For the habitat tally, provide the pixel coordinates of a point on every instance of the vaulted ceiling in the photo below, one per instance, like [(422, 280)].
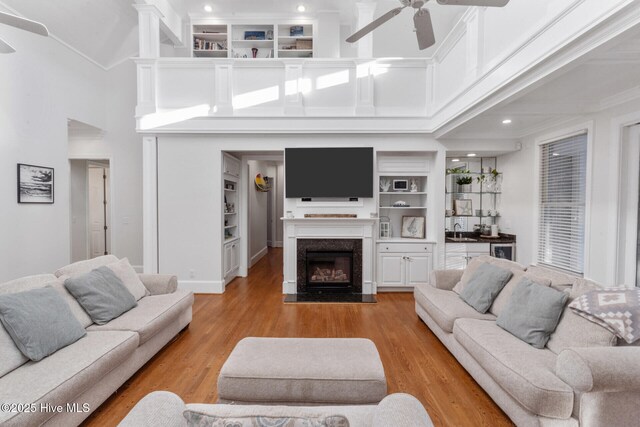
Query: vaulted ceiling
[(106, 30)]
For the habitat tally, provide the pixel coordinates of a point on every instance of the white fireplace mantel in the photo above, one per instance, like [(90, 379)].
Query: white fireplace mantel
[(329, 228)]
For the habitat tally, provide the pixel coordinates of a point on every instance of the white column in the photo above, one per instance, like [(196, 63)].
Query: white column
[(474, 21), (146, 88), (431, 89), (366, 13), (327, 36), (365, 89), (224, 89), (293, 97), (150, 204), (148, 30)]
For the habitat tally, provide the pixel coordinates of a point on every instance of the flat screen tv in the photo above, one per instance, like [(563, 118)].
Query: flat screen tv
[(329, 172)]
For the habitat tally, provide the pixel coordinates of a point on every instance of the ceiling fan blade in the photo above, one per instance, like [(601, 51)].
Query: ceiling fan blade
[(424, 29), (6, 47), (375, 24), (23, 24), (487, 3)]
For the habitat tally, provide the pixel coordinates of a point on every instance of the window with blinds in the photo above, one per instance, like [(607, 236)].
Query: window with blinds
[(563, 182)]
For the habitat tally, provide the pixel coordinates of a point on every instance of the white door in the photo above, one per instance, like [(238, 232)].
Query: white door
[(392, 270), (418, 269), (98, 178)]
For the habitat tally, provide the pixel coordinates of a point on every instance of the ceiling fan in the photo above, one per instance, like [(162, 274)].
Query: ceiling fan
[(23, 24), (421, 18)]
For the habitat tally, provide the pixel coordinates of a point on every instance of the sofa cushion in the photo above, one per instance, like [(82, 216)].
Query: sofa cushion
[(484, 286), (524, 372), (101, 293), (533, 312), (75, 307), (151, 316), (477, 262), (576, 331), (558, 279), (65, 375), (86, 266), (445, 306), (26, 283), (39, 322), (505, 295), (129, 278)]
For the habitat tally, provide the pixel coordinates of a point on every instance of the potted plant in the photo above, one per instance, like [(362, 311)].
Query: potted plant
[(464, 183)]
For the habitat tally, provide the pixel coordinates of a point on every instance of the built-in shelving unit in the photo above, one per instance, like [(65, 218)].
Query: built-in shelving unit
[(483, 193), (252, 40), (231, 217), (403, 262)]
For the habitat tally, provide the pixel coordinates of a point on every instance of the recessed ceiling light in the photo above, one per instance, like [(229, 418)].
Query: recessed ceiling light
[(208, 8), (506, 122), (455, 160), (301, 8), (471, 155)]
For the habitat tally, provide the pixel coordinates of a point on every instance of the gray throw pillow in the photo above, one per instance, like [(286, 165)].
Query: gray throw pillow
[(39, 322), (101, 293), (533, 312), (484, 286)]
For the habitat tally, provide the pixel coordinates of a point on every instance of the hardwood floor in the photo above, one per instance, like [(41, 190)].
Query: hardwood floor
[(414, 359)]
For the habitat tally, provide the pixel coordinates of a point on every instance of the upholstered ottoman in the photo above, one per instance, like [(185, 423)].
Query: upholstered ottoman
[(303, 371)]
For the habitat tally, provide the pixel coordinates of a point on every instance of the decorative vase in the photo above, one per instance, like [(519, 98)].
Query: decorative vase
[(464, 188), (254, 52)]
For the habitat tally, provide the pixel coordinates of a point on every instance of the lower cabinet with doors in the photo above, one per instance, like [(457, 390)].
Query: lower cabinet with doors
[(458, 255), (403, 265), (231, 260)]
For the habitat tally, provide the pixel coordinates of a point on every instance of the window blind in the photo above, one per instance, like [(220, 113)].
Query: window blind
[(563, 181)]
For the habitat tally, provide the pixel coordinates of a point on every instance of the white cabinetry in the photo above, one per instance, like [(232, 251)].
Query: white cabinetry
[(231, 166), (231, 257), (458, 255), (404, 265)]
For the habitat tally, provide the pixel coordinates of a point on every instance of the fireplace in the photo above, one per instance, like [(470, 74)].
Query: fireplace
[(329, 265), (329, 270)]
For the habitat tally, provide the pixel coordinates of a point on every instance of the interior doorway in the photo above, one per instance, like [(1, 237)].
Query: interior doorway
[(90, 208)]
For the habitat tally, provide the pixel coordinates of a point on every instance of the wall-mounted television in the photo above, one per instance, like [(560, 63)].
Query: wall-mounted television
[(329, 172)]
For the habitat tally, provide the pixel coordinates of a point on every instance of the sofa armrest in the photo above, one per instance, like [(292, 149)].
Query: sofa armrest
[(157, 409), (600, 369), (445, 279), (400, 409), (159, 284)]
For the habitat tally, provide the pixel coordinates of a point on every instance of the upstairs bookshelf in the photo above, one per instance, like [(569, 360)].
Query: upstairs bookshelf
[(252, 40)]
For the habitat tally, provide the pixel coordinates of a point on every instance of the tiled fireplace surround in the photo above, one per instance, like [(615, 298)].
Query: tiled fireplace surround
[(334, 234)]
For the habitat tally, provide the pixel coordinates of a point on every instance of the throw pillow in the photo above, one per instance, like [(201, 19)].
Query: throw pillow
[(503, 297), (101, 293), (617, 309), (484, 286), (201, 420), (476, 262), (129, 278), (533, 312), (39, 322)]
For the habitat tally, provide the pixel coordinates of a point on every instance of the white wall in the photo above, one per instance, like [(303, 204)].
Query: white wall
[(519, 202), (190, 195), (79, 211), (257, 212), (42, 85)]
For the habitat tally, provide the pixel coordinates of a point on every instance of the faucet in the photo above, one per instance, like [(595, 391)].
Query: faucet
[(457, 224)]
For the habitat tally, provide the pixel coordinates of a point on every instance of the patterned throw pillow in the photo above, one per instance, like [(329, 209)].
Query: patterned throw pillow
[(198, 419), (617, 309)]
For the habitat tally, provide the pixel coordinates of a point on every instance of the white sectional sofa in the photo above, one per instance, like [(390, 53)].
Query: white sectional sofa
[(88, 371), (581, 378)]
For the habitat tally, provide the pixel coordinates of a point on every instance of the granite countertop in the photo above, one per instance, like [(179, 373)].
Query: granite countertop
[(504, 238)]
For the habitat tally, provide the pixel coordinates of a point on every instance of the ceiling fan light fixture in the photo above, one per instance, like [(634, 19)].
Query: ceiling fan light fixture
[(301, 8)]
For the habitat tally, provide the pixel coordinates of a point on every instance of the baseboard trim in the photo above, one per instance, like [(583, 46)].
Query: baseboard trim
[(202, 286), (278, 244), (259, 255)]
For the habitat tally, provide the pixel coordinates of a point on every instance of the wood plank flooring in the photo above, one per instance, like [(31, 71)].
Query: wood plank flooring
[(415, 361)]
